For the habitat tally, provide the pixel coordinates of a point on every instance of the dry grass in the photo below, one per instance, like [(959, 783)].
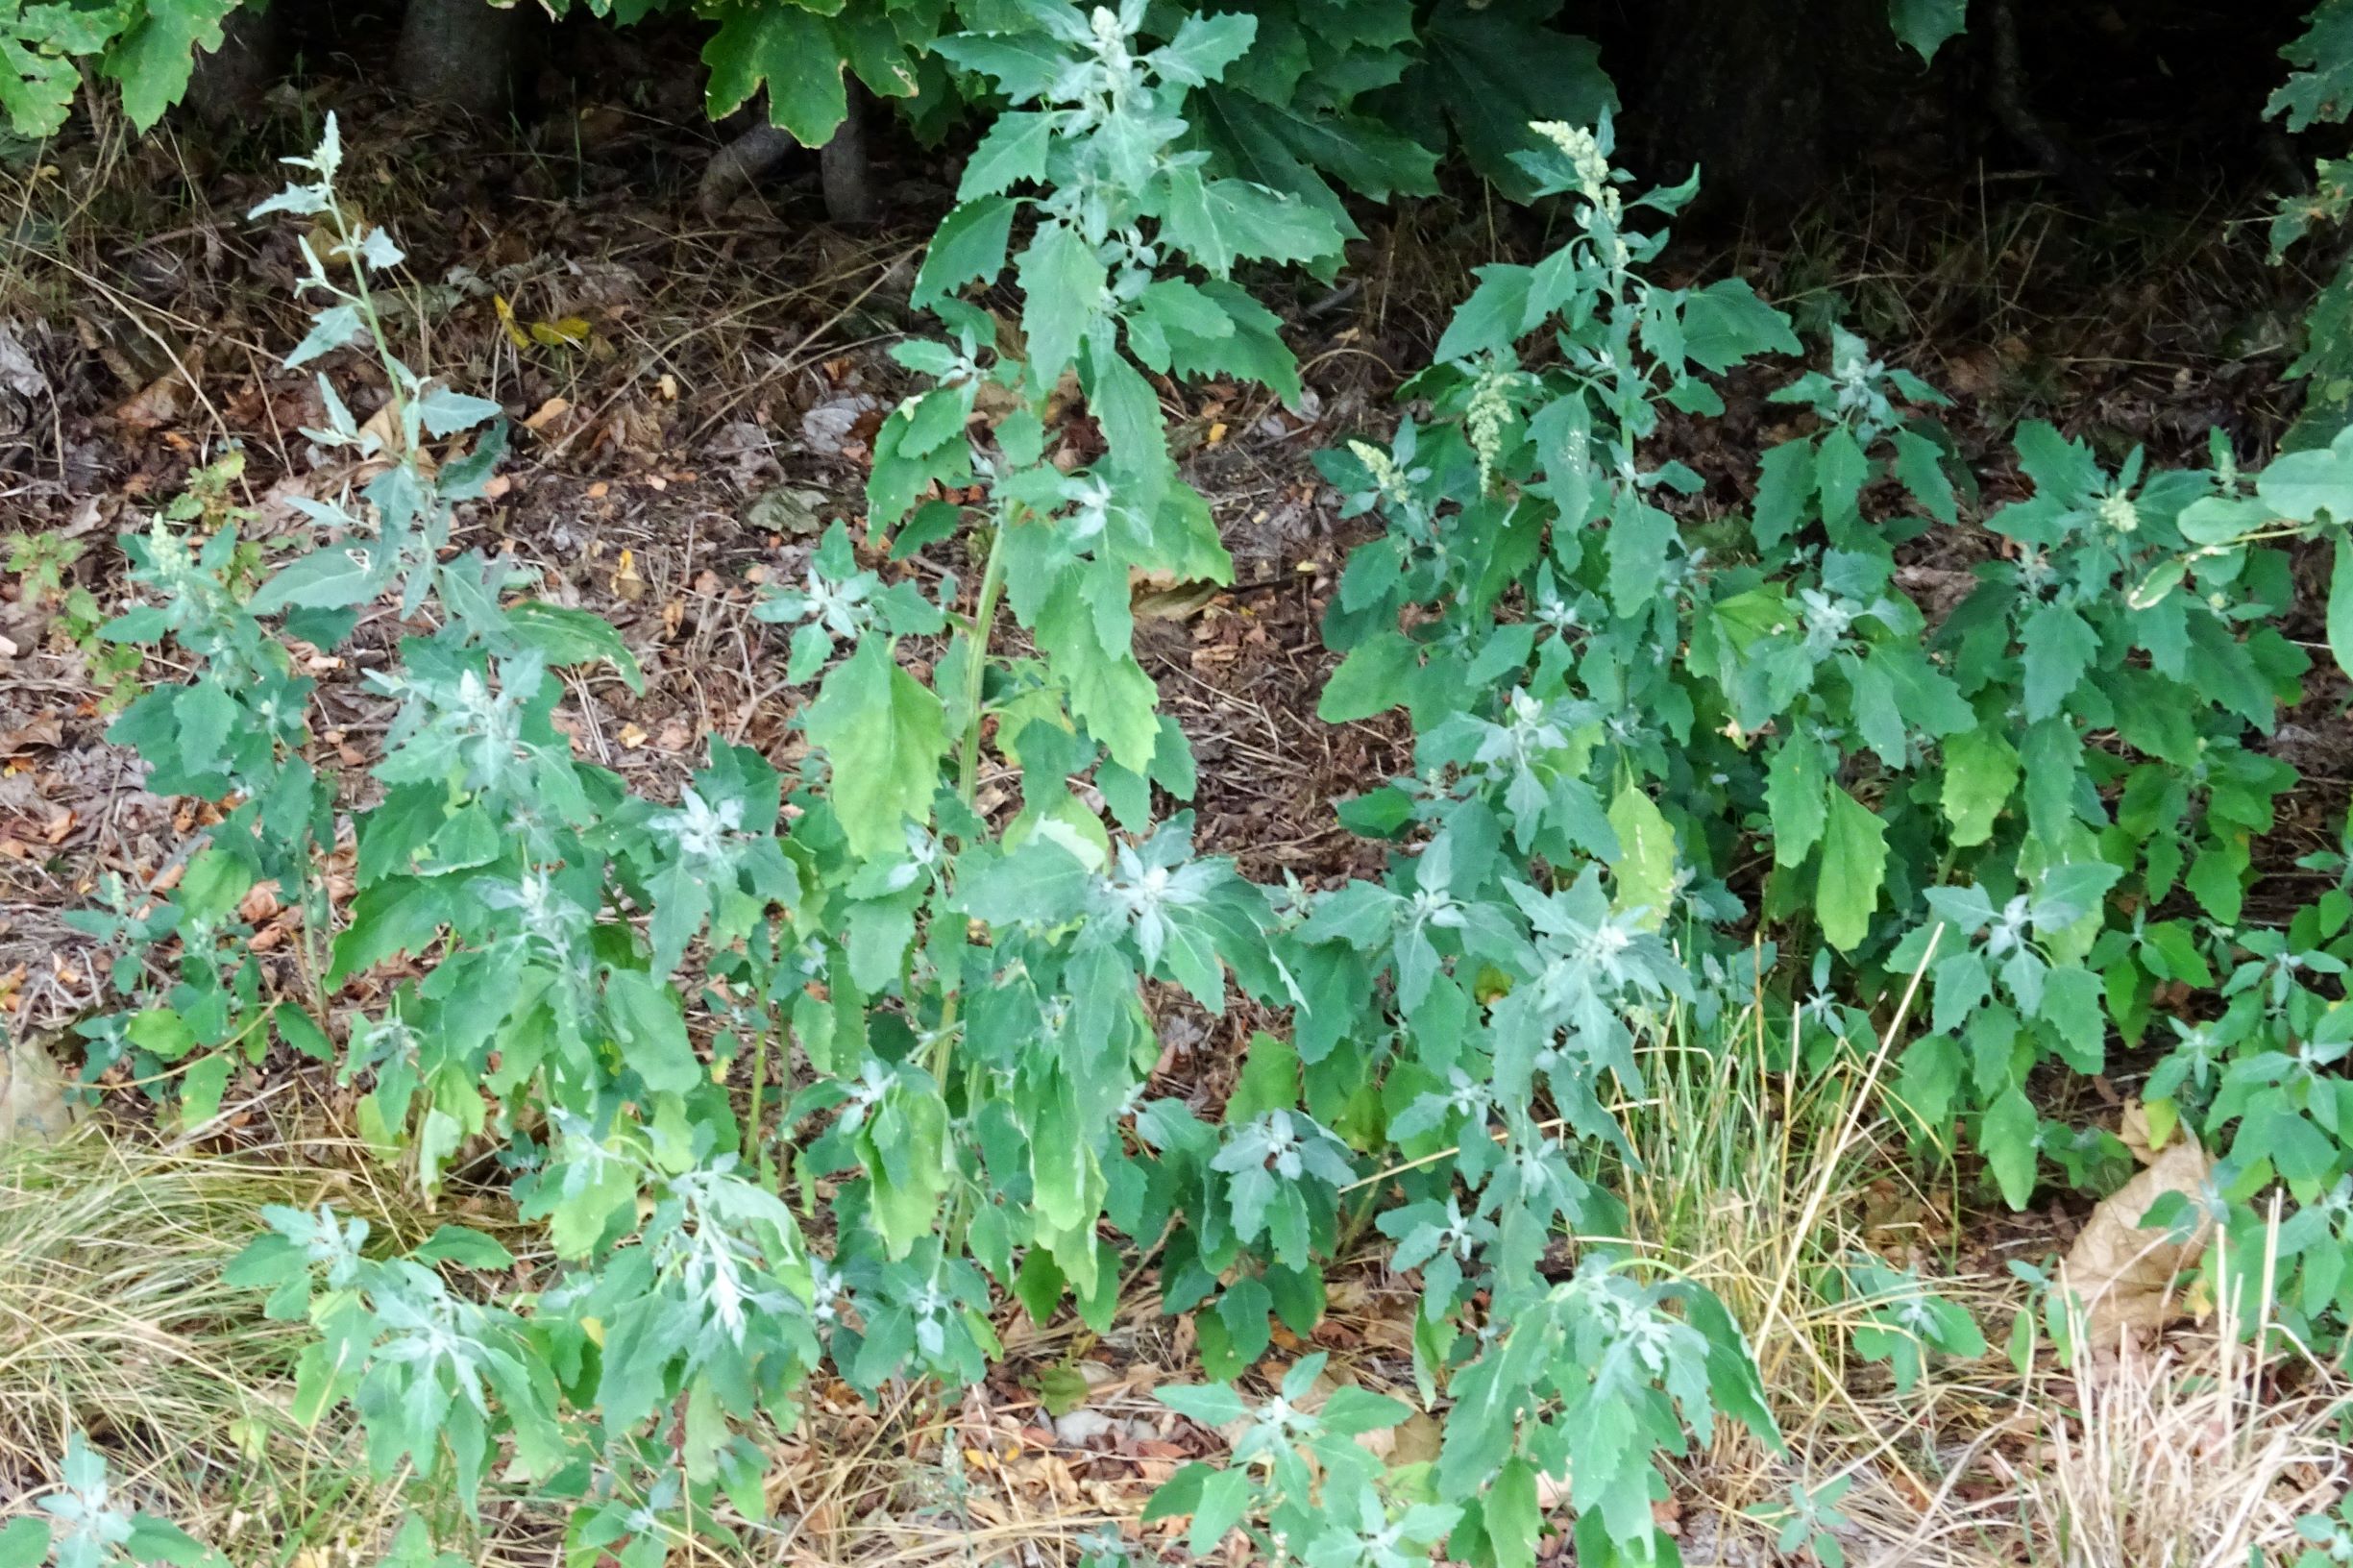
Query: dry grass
[(115, 1319), (2200, 1452), (1760, 1184)]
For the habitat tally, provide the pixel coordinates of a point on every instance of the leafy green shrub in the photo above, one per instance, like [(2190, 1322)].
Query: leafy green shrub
[(1666, 764)]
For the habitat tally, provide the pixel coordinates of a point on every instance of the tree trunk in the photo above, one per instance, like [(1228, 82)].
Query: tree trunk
[(227, 85), (741, 164), (459, 53), (841, 165), (843, 169)]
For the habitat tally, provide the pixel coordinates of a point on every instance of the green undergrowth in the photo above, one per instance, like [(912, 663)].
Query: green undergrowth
[(1723, 879)]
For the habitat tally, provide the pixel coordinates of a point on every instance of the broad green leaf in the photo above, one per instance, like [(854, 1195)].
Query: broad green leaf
[(1784, 483), (1927, 24), (1513, 1516), (1980, 772), (788, 46), (1725, 323), (155, 58), (650, 1031), (970, 244), (1219, 222), (330, 578), (2058, 647), (883, 734), (24, 1543), (2317, 483), (1853, 866), (463, 1246), (1291, 147), (1062, 284), (1225, 1497), (2341, 602), (1011, 152), (1373, 678), (1204, 46), (1497, 66), (1645, 867), (200, 1087), (1797, 790), (2006, 1137)]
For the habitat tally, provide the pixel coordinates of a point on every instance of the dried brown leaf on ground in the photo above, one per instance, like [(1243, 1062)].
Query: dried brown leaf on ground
[(33, 1101), (2124, 1275)]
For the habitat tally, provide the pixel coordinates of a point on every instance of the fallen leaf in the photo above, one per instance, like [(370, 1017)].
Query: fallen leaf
[(546, 414), (2125, 1275), (157, 404), (626, 583), (632, 736), (43, 731)]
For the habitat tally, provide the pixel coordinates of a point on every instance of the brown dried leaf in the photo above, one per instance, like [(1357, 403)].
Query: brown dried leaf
[(2125, 1275)]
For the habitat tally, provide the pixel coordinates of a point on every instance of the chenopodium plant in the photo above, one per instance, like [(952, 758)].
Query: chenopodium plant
[(86, 1523), (941, 1023), (2045, 807), (532, 1014), (985, 1040), (1476, 1012)]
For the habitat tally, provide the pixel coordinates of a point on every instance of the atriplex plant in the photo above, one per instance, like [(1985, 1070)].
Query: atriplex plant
[(937, 1017), (930, 1083), (84, 1523)]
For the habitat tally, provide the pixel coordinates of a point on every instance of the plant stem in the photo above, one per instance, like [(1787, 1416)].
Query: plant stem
[(984, 618), (757, 1146), (967, 765)]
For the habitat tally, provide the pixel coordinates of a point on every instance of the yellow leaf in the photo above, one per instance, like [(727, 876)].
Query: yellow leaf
[(506, 322), (594, 1327), (557, 335)]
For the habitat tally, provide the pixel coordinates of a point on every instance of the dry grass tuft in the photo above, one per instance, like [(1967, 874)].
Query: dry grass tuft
[(2201, 1453), (113, 1319)]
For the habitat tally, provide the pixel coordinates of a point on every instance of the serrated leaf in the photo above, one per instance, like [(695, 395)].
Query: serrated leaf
[(883, 734), (1061, 286), (1853, 867), (2058, 646), (1797, 786), (1497, 66), (463, 1246), (1645, 869), (970, 244), (562, 636), (1785, 484), (1373, 678), (1725, 323), (1219, 222), (155, 56), (790, 49), (1980, 774), (333, 578), (2006, 1137), (1204, 46), (649, 1028), (1012, 149)]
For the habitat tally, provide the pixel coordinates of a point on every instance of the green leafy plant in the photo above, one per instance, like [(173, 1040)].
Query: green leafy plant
[(1808, 1520), (810, 1071), (88, 1525), (148, 46)]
